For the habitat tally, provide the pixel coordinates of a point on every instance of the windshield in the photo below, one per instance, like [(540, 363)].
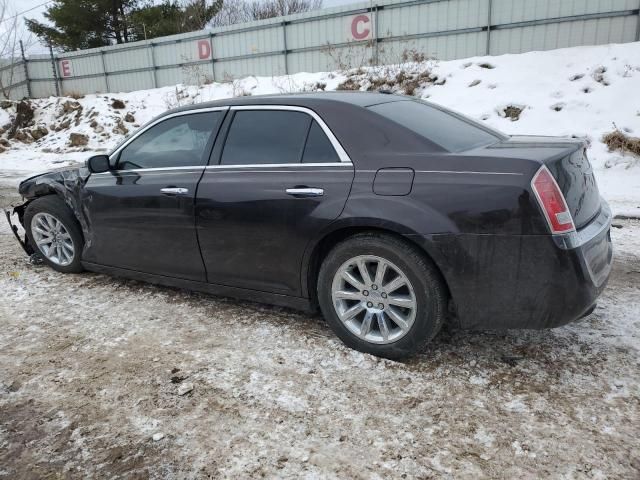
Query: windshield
[(452, 132)]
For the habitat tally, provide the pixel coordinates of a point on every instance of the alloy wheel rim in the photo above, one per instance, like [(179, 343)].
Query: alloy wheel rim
[(53, 239), (374, 299)]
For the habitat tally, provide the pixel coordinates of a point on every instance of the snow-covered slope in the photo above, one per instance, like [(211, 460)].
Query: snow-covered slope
[(583, 91)]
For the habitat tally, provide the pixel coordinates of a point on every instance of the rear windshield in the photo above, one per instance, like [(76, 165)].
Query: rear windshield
[(452, 132)]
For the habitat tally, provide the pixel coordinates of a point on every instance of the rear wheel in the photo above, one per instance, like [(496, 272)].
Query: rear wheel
[(381, 295), (54, 232)]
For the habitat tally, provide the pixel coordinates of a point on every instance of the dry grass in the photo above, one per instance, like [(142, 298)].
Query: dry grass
[(618, 140), (375, 80), (349, 84), (75, 95), (513, 112)]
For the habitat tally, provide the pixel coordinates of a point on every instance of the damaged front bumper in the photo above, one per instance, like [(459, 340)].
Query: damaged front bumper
[(24, 242)]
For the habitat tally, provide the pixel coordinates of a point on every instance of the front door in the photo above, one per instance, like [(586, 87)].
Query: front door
[(281, 178), (141, 213)]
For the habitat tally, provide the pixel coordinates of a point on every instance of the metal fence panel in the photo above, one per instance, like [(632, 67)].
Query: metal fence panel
[(130, 82), (80, 66), (513, 11), (260, 66), (432, 17), (40, 68), (115, 61), (169, 76), (42, 89), (569, 34), (260, 41), (442, 47), (12, 73), (341, 37), (321, 32), (80, 86), (317, 60)]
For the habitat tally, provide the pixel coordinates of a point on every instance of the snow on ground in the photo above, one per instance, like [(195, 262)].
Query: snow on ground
[(92, 371), (582, 91)]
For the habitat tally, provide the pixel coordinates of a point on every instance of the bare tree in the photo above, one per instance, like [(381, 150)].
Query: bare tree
[(11, 33), (278, 8), (239, 11), (232, 12)]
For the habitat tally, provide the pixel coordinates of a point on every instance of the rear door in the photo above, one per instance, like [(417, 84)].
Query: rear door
[(141, 213), (281, 177)]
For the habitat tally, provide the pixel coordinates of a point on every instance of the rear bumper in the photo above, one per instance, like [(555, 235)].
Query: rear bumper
[(529, 281), (593, 246)]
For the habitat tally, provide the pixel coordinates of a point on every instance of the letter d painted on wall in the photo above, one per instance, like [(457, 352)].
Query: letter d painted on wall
[(204, 49)]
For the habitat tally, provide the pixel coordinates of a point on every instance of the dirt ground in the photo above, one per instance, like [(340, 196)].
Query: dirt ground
[(93, 371)]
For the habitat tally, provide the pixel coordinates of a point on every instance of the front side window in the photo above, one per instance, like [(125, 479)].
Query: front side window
[(265, 137), (176, 142), (450, 131)]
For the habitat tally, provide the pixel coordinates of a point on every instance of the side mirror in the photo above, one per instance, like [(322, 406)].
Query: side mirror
[(98, 164)]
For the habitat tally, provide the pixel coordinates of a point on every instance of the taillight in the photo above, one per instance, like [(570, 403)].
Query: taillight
[(552, 202)]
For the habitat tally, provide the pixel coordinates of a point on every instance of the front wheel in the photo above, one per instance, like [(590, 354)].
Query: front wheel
[(381, 295), (54, 232)]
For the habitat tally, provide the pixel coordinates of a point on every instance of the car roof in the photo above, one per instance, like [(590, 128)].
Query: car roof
[(303, 99)]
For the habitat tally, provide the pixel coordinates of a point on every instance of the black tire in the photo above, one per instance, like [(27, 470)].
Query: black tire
[(55, 206), (428, 286)]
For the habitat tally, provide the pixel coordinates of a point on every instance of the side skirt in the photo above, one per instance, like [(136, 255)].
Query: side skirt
[(296, 303)]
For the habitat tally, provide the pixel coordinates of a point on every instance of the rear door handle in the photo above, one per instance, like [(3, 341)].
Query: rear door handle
[(174, 191), (305, 192)]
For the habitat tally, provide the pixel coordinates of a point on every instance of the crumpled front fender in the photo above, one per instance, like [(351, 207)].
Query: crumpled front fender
[(68, 184)]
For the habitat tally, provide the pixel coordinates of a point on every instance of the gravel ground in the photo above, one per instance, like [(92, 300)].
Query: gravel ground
[(93, 374)]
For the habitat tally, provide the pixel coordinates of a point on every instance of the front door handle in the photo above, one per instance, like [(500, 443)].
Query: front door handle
[(174, 191), (305, 192)]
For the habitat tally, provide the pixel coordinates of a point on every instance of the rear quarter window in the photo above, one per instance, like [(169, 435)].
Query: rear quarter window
[(450, 131)]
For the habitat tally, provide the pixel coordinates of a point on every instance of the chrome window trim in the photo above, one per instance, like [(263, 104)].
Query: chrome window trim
[(342, 154), (279, 165), (446, 172), (469, 172), (286, 171), (153, 124), (199, 168)]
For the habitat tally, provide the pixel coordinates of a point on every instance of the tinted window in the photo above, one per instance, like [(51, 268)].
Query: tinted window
[(452, 132), (265, 136), (176, 142), (318, 148)]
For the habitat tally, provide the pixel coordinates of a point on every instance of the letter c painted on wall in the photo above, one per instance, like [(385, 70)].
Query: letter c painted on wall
[(204, 49), (357, 32)]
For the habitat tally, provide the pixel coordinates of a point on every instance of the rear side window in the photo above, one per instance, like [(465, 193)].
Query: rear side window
[(175, 142), (319, 148), (446, 129), (265, 136)]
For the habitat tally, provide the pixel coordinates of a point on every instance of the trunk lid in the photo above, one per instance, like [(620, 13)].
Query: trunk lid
[(567, 161)]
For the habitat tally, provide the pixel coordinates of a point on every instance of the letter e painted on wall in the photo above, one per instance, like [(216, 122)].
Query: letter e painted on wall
[(204, 49), (66, 69), (361, 27)]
